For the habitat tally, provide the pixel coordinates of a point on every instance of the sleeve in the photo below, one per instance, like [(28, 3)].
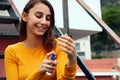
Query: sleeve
[(65, 72), (10, 65), (69, 72)]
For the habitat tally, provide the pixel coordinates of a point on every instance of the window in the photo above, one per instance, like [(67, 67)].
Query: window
[(77, 46), (81, 55)]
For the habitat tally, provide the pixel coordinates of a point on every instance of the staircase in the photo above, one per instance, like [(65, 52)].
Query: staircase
[(12, 18), (9, 22)]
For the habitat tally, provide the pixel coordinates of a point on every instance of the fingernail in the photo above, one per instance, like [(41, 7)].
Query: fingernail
[(66, 34)]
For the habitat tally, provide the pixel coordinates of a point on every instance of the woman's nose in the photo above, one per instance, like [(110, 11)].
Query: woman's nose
[(43, 20)]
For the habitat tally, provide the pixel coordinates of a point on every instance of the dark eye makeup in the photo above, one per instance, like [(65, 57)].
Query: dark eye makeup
[(40, 15), (48, 17)]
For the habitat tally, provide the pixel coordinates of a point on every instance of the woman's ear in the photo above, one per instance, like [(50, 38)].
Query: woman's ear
[(24, 17)]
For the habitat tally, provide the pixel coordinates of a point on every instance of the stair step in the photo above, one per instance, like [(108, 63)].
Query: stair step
[(8, 19), (12, 18), (2, 78), (4, 5), (1, 55), (3, 0), (2, 69)]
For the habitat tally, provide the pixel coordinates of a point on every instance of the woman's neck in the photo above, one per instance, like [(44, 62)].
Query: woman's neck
[(33, 42)]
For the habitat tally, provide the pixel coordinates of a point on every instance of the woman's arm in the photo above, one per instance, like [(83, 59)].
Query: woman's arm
[(67, 45), (65, 72), (10, 65)]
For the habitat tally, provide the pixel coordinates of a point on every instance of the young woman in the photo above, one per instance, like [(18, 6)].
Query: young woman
[(29, 59)]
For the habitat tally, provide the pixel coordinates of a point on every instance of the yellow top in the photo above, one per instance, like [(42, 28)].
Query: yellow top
[(22, 63)]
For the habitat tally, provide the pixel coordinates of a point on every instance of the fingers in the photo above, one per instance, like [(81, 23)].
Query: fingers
[(66, 37), (48, 55), (47, 64), (47, 67), (67, 44)]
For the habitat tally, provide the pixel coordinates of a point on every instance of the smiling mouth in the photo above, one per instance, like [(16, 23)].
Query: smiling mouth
[(41, 29)]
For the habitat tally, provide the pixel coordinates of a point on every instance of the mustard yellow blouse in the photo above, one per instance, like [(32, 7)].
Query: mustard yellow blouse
[(22, 63)]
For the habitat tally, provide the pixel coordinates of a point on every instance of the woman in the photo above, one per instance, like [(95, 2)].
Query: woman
[(29, 59)]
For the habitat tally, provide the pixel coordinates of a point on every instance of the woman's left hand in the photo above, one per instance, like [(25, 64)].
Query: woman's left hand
[(67, 44)]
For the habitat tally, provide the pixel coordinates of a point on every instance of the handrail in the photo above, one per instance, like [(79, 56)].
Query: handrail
[(66, 16), (84, 68), (66, 27), (109, 31), (80, 63)]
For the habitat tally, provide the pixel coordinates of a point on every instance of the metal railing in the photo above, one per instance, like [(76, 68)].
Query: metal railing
[(66, 28), (104, 26)]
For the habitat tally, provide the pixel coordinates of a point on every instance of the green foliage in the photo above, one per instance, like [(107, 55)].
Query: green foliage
[(110, 3), (111, 16)]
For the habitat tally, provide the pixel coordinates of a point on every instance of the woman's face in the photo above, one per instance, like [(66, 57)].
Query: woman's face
[(38, 19)]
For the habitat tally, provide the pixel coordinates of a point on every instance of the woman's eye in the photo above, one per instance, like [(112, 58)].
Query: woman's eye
[(39, 15), (48, 18)]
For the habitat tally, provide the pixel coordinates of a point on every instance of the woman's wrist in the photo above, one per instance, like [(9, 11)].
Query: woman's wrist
[(72, 61)]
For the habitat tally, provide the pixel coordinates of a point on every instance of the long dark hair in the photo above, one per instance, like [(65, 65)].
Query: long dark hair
[(48, 37)]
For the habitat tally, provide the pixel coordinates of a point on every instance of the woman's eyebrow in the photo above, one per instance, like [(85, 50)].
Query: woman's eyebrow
[(39, 12)]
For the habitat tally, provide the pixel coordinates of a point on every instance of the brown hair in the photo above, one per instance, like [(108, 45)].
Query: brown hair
[(48, 37)]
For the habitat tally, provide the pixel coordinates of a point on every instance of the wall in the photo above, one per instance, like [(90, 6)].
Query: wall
[(85, 46)]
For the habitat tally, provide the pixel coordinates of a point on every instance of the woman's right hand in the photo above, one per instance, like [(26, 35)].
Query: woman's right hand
[(47, 64)]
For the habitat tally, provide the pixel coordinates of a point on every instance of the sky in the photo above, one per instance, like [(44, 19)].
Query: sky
[(78, 18)]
